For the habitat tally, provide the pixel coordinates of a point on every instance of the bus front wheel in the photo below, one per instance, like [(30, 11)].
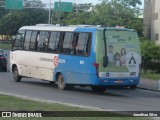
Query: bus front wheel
[(62, 85), (16, 76)]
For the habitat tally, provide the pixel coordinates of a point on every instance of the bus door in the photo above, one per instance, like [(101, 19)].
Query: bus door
[(18, 55)]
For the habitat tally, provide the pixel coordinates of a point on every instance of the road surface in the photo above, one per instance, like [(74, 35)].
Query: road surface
[(112, 99)]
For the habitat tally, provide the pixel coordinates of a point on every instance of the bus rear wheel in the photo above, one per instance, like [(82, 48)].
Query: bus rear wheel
[(16, 76), (52, 82), (133, 87), (62, 85), (98, 88)]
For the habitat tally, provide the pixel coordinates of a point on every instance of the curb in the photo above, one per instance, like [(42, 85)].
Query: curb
[(148, 89)]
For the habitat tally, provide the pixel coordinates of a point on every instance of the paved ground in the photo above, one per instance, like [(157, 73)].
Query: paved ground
[(148, 84), (120, 99)]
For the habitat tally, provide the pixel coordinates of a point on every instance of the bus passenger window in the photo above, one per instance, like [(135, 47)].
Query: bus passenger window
[(81, 46), (33, 40), (45, 44), (88, 44), (74, 44), (60, 43), (41, 41), (27, 40), (53, 42), (67, 42)]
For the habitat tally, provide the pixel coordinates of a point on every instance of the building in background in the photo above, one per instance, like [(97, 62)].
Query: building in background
[(152, 20)]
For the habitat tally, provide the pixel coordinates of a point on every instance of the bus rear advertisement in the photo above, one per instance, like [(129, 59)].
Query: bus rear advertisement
[(77, 55)]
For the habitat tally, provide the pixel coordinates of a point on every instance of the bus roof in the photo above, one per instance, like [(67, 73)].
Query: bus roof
[(70, 28)]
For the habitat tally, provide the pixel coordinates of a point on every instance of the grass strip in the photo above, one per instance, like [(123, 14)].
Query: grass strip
[(5, 46), (11, 103)]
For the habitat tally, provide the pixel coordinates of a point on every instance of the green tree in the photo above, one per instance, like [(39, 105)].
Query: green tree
[(11, 22), (115, 13), (132, 3), (150, 56), (34, 3), (2, 12), (16, 19), (110, 13), (2, 9)]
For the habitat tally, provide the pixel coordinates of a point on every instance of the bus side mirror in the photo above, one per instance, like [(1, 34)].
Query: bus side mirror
[(105, 61)]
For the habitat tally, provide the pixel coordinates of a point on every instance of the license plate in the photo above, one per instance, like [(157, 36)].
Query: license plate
[(119, 81)]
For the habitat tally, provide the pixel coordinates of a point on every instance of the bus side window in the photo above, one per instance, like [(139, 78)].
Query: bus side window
[(60, 43), (27, 40), (67, 42), (53, 42), (37, 39), (46, 41), (33, 41), (74, 43), (42, 41), (19, 41), (82, 43), (88, 44)]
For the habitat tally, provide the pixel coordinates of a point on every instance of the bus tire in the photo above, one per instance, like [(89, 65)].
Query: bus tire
[(16, 76), (52, 82), (62, 85), (133, 87), (98, 88)]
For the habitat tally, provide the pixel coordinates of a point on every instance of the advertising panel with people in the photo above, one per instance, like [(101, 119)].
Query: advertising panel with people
[(123, 52)]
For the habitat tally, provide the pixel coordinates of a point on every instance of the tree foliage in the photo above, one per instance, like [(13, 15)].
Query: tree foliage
[(34, 3), (132, 3), (110, 13), (2, 10), (150, 56), (14, 19)]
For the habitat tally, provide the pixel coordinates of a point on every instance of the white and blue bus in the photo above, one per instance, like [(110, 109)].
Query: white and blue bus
[(77, 55)]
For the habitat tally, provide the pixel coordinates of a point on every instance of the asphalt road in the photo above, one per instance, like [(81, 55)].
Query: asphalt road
[(112, 99)]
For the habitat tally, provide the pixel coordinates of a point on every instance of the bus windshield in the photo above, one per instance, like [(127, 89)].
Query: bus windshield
[(19, 40), (123, 53)]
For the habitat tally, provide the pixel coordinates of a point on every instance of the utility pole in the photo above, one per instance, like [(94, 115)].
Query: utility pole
[(75, 6), (59, 11), (49, 19), (2, 4)]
